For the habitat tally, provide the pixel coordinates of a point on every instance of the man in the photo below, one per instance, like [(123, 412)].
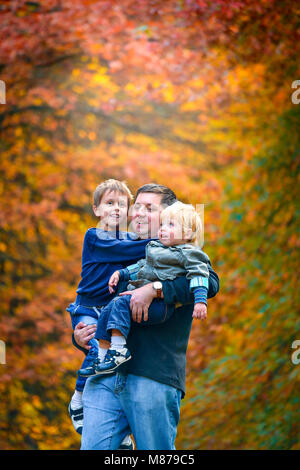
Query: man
[(145, 395)]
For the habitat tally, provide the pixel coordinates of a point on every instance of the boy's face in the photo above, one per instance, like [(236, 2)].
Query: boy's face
[(112, 210), (171, 232)]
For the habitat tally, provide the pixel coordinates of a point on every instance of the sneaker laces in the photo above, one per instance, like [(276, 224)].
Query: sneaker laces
[(110, 354)]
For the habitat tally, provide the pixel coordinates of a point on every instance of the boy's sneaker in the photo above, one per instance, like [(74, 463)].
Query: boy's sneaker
[(89, 371), (113, 359), (127, 444), (76, 416)]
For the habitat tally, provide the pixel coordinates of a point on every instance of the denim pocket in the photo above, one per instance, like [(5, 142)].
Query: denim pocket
[(77, 309)]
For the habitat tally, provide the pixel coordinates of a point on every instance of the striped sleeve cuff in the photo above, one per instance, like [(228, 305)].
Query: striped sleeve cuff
[(124, 274), (199, 281), (200, 295), (133, 268), (130, 272)]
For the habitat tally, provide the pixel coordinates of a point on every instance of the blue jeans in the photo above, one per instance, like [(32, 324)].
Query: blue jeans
[(115, 405), (117, 315), (80, 313)]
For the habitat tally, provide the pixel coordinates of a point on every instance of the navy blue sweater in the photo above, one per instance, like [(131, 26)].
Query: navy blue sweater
[(104, 253)]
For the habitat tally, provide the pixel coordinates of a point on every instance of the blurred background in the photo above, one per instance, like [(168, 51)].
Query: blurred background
[(193, 94)]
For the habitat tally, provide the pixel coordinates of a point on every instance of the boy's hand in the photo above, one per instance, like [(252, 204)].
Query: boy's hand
[(113, 282), (200, 311)]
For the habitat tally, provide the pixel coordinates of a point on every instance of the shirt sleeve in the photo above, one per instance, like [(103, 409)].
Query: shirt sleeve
[(113, 250), (131, 271)]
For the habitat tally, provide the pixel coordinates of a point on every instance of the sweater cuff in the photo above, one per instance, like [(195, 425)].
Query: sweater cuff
[(200, 294), (124, 274), (133, 270)]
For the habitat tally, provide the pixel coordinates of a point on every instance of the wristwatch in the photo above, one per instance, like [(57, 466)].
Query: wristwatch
[(157, 285)]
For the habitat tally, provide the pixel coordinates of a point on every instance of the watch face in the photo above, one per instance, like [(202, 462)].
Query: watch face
[(157, 285)]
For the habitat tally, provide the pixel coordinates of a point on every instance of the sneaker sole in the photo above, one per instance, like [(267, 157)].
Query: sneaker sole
[(79, 429), (87, 376), (103, 372)]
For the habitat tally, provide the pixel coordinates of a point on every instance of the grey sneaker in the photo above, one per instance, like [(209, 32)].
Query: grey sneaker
[(77, 418), (113, 359)]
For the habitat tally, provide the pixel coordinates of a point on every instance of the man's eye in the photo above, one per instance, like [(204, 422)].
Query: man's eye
[(152, 208)]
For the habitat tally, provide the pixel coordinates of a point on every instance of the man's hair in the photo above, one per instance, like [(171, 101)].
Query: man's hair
[(168, 196), (112, 185)]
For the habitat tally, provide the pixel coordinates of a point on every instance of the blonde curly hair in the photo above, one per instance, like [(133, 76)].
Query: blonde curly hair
[(187, 216)]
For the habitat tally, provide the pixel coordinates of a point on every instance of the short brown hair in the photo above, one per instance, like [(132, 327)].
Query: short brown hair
[(168, 196), (112, 185)]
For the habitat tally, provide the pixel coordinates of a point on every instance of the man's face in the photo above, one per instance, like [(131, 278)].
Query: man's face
[(145, 215)]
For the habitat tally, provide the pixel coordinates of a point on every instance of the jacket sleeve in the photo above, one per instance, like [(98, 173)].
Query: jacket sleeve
[(195, 262), (110, 250), (178, 290)]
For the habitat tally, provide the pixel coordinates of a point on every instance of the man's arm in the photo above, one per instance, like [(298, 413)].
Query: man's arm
[(178, 291)]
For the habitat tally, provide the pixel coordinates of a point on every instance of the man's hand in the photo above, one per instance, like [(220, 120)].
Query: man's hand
[(200, 311), (83, 333), (141, 299), (113, 281)]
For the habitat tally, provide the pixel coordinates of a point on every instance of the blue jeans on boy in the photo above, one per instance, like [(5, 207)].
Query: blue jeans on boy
[(117, 315), (89, 316), (115, 405)]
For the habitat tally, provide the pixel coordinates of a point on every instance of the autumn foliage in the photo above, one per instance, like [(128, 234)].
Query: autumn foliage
[(192, 94)]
